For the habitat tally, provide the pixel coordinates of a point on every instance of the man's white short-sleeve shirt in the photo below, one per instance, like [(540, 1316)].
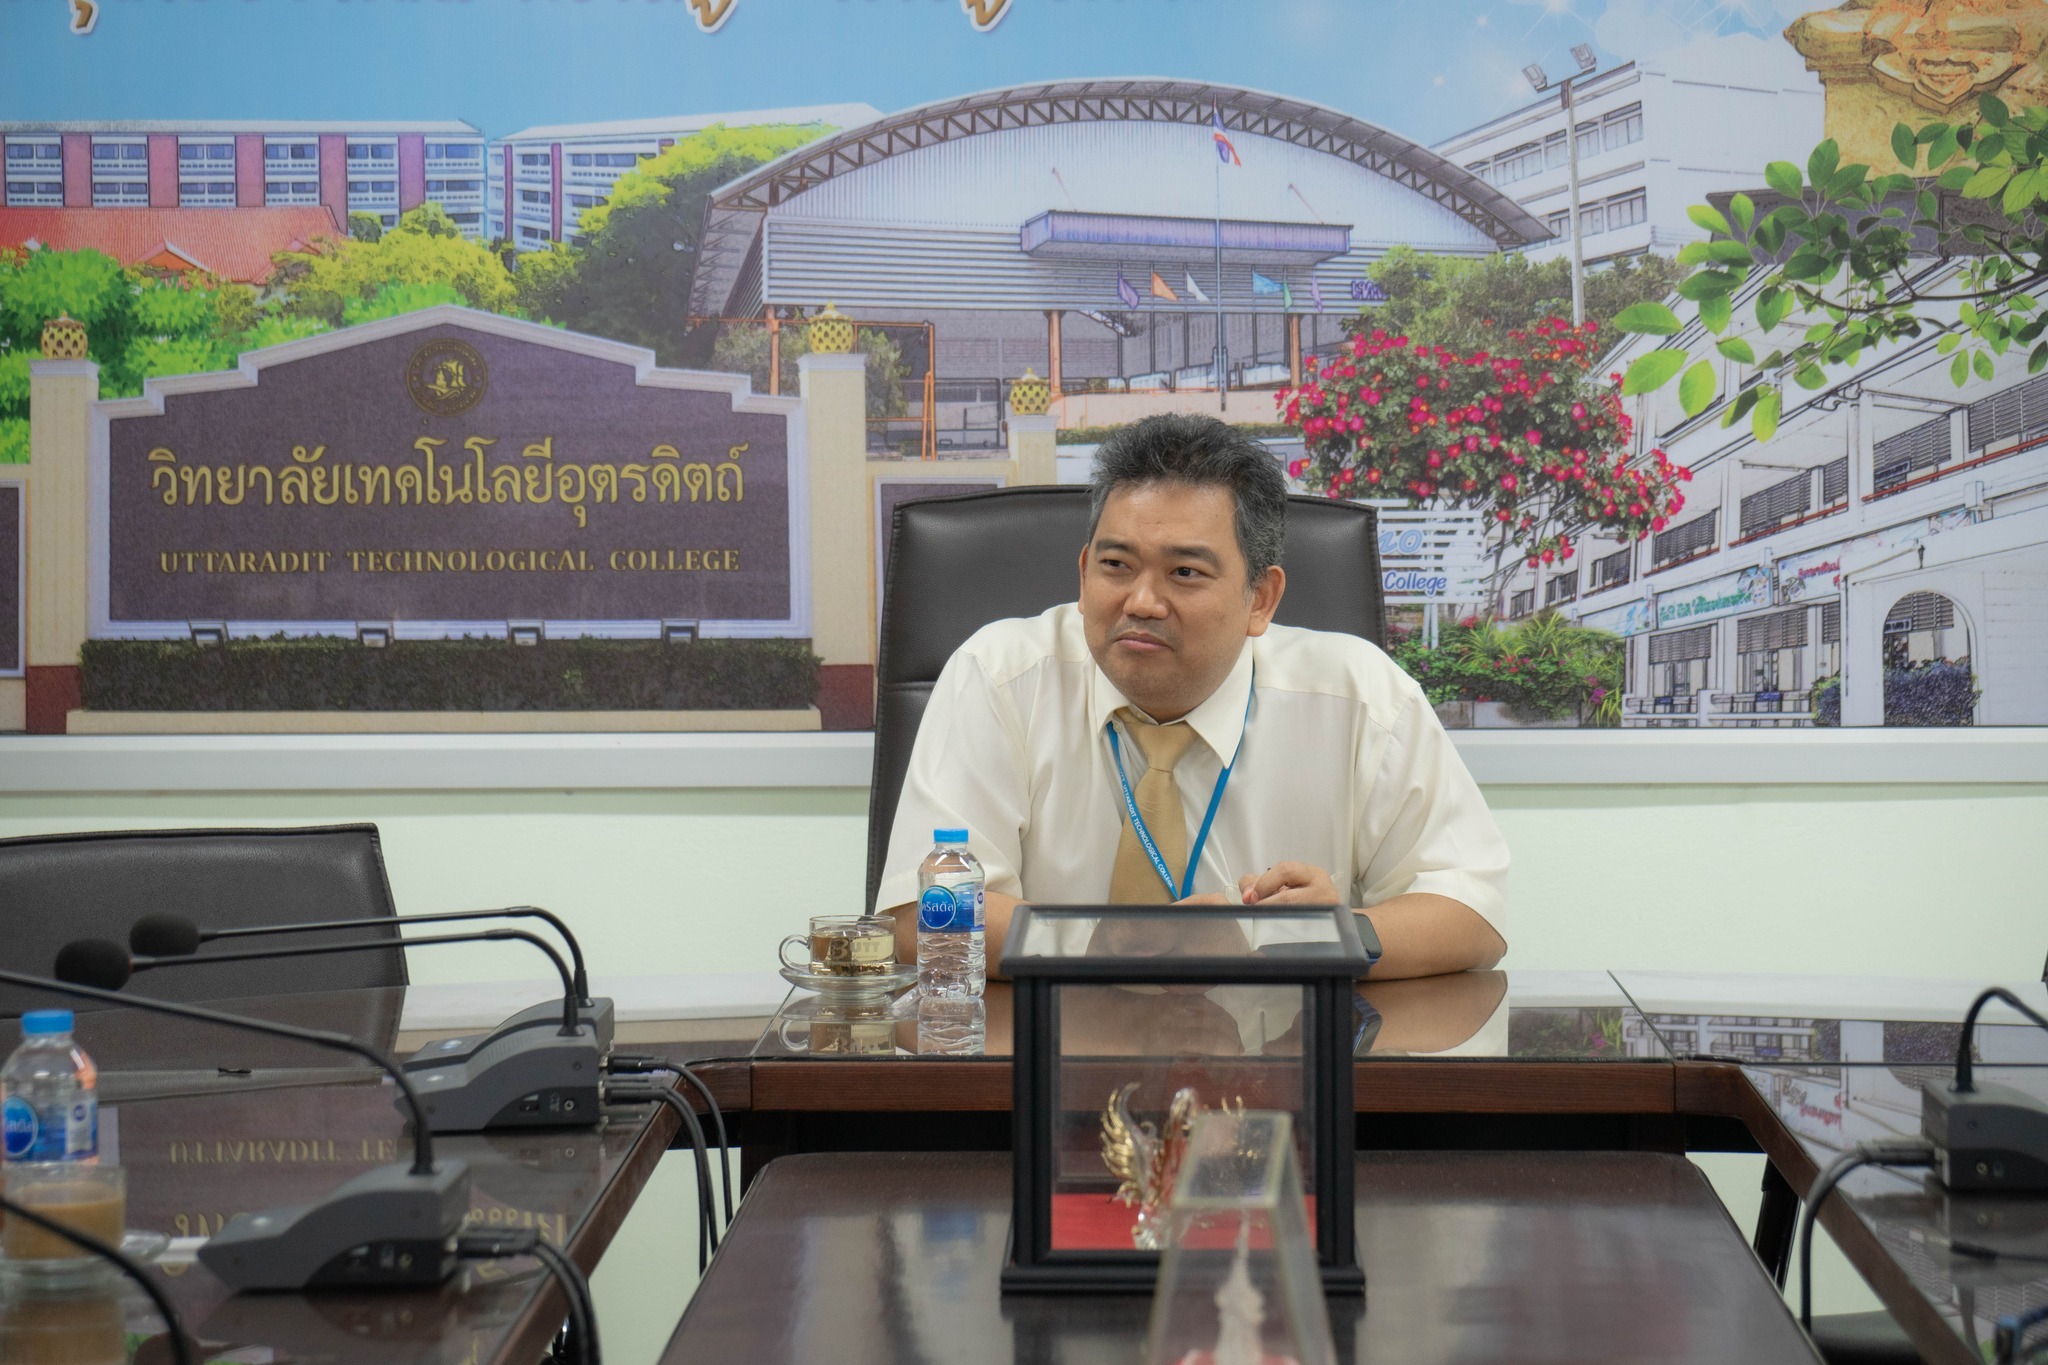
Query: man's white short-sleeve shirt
[(1340, 763)]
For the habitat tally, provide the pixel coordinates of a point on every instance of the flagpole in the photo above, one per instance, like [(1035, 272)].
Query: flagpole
[(1222, 354)]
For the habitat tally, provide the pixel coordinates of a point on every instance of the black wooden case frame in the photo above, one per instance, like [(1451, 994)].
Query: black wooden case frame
[(1327, 973)]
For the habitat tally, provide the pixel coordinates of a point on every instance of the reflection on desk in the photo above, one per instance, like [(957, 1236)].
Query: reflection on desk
[(1533, 1015), (202, 1144), (1501, 1257), (1831, 1021), (1973, 1258)]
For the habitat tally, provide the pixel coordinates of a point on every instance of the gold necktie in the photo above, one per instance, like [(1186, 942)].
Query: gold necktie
[(1132, 880)]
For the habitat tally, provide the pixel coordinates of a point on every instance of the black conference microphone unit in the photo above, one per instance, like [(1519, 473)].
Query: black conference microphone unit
[(1981, 1139), (530, 1078), (393, 1225), (1987, 1137), (176, 936)]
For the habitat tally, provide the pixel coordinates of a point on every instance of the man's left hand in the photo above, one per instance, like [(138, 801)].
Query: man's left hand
[(1289, 884)]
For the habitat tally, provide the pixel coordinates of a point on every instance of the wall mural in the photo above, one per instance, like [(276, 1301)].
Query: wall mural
[(558, 367)]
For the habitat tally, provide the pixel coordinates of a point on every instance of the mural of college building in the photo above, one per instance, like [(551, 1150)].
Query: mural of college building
[(544, 177), (1096, 231), (1889, 545), (65, 179), (1655, 137), (451, 473)]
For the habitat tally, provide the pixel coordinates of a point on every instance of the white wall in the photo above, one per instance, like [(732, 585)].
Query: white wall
[(1912, 879), (1903, 880)]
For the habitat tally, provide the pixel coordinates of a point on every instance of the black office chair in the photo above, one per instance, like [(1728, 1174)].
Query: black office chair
[(955, 564), (58, 887)]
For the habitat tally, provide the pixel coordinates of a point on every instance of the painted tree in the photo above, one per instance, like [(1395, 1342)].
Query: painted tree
[(138, 325), (1469, 302), (1522, 432), (426, 251), (631, 278), (1838, 261)]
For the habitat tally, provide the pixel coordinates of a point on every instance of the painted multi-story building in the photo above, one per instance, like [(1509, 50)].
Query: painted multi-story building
[(546, 176), (345, 167), (1889, 545), (1655, 137)]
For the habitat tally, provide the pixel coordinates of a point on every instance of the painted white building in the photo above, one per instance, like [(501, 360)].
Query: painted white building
[(344, 166), (547, 175), (1655, 136), (1894, 524)]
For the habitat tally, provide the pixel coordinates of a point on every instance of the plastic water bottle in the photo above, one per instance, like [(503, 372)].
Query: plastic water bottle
[(950, 1026), (50, 1110), (950, 883)]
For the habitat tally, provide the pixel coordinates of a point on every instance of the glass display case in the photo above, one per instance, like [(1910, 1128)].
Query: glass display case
[(1131, 1022)]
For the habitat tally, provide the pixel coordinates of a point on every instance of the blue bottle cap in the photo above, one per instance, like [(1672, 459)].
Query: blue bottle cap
[(949, 836), (37, 1022)]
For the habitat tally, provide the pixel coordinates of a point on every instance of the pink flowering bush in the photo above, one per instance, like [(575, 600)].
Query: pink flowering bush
[(1523, 432)]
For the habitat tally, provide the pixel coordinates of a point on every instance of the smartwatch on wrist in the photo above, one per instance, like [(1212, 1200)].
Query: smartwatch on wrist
[(1369, 936)]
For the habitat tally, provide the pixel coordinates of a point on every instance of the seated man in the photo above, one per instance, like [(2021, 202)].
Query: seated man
[(1269, 765)]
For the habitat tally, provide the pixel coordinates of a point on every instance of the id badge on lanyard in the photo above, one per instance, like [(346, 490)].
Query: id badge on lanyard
[(1145, 840)]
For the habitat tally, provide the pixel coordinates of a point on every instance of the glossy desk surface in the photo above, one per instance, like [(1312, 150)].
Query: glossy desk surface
[(1498, 1257), (1808, 1066), (200, 1146), (1932, 1256)]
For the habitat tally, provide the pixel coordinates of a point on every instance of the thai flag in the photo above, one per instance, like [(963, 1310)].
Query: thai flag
[(1225, 152)]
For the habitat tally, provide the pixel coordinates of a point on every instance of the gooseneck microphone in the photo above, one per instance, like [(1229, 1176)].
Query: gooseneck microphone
[(388, 1226), (104, 963), (530, 1078), (176, 936), (159, 935)]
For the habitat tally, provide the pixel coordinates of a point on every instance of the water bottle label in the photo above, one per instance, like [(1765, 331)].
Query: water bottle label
[(20, 1119), (67, 1132), (949, 909), (82, 1127)]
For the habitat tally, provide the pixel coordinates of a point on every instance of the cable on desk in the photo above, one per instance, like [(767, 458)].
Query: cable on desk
[(639, 1090), (1900, 1152), (181, 1345), (629, 1063), (2012, 1328), (718, 1126), (497, 1244)]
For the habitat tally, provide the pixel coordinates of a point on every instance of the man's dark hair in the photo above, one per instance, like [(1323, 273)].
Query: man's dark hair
[(1199, 451)]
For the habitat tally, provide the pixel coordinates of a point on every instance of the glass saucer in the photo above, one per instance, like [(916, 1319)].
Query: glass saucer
[(846, 987)]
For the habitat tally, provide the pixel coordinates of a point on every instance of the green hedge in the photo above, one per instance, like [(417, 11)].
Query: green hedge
[(449, 675)]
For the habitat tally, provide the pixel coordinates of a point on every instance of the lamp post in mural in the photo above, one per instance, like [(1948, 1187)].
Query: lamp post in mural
[(1583, 55)]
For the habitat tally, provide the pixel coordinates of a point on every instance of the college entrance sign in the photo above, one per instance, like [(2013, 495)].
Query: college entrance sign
[(445, 472)]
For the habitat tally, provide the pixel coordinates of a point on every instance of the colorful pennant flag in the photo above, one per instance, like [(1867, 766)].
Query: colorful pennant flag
[(1262, 285), (1124, 290), (1162, 290), (1194, 288), (1286, 296), (1225, 152), (1315, 288)]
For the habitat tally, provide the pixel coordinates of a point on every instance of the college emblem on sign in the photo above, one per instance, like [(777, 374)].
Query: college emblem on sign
[(446, 377)]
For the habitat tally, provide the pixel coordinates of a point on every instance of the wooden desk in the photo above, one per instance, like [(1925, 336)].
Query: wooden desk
[(1508, 1257), (1496, 1061), (200, 1147)]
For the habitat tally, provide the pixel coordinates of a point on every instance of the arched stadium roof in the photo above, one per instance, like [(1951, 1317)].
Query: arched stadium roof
[(736, 211)]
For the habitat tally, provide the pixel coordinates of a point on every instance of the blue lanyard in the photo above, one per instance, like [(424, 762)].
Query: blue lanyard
[(1145, 840)]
